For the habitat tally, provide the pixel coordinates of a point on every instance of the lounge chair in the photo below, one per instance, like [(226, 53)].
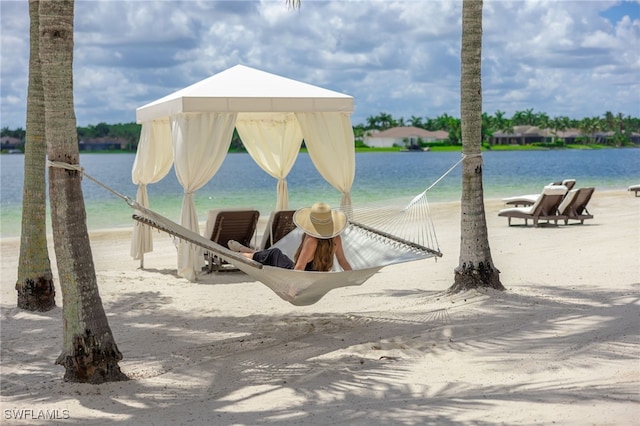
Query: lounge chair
[(574, 205), (529, 199), (225, 225), (280, 224), (569, 183), (545, 207), (635, 189)]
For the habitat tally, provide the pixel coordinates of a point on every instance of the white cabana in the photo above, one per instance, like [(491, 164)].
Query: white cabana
[(272, 114)]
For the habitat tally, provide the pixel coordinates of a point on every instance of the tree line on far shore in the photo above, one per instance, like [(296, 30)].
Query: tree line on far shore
[(619, 125), (129, 133)]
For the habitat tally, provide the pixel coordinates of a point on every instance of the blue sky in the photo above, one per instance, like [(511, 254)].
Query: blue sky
[(564, 58), (620, 10)]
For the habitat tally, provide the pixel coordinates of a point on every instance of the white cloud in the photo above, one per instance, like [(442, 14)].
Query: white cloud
[(577, 58)]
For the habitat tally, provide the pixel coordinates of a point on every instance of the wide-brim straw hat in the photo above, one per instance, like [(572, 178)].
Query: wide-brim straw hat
[(320, 220)]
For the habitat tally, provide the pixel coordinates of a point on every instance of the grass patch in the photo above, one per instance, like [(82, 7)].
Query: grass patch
[(386, 149), (445, 148), (581, 146), (513, 148)]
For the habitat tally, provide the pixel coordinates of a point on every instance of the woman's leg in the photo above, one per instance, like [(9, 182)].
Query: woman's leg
[(273, 257), (270, 257)]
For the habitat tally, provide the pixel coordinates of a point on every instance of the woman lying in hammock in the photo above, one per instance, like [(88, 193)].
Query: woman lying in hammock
[(320, 242)]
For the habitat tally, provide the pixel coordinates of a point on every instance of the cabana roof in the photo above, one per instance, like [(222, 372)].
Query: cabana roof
[(242, 89)]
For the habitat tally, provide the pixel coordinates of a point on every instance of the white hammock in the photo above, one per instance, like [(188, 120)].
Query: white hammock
[(376, 237), (367, 249)]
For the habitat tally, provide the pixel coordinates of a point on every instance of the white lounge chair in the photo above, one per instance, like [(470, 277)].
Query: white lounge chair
[(574, 205), (545, 207)]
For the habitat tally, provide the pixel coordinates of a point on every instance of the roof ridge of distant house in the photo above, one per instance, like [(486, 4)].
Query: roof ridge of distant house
[(407, 132)]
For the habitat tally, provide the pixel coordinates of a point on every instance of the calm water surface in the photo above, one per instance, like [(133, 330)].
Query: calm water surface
[(379, 176)]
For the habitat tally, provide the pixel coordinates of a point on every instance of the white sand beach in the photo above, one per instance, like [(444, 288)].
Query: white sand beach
[(560, 346)]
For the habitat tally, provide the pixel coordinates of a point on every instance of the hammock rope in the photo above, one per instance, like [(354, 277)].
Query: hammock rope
[(410, 222), (393, 240)]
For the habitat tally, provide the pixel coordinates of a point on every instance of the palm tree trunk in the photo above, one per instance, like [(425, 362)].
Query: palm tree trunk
[(475, 268), (89, 352), (35, 287)]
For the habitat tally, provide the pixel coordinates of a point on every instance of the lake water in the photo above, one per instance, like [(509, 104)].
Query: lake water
[(379, 176)]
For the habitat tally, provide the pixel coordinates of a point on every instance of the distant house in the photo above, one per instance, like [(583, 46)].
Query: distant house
[(403, 136), (522, 135), (10, 144), (526, 135), (569, 136)]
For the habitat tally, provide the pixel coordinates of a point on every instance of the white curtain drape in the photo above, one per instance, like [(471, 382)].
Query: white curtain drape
[(200, 144), (153, 161), (273, 141), (330, 142)]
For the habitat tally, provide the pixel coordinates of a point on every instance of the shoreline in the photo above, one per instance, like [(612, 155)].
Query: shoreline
[(378, 177), (491, 204), (433, 147)]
